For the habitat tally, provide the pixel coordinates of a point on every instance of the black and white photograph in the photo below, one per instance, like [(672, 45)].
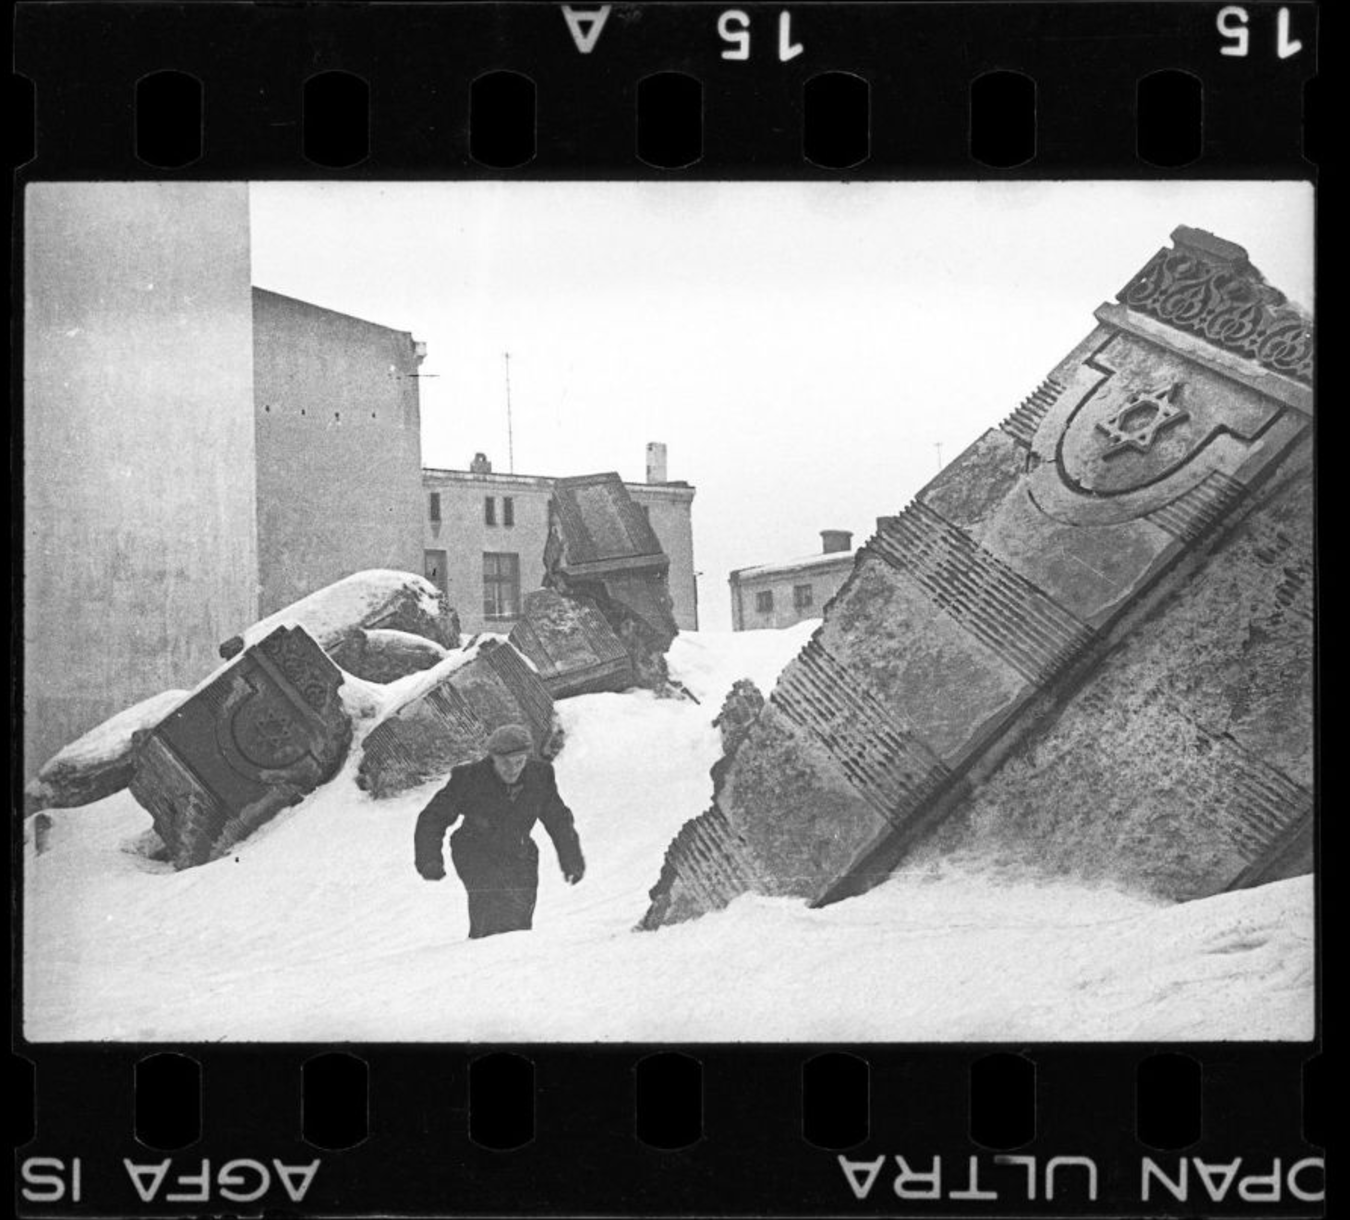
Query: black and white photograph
[(667, 612)]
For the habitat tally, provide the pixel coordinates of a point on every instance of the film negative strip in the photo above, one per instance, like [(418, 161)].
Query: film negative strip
[(398, 833)]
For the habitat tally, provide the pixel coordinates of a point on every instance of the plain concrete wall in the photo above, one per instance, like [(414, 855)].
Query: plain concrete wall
[(670, 511), (139, 538), (339, 447)]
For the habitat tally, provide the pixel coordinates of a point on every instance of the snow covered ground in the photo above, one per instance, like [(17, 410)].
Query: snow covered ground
[(318, 929)]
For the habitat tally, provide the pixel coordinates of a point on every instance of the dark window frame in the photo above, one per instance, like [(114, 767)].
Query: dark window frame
[(764, 601), (508, 510), (489, 510), (434, 506), (803, 597), (501, 586)]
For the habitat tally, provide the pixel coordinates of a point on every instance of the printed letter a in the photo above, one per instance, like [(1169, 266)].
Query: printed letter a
[(594, 21), (861, 1189)]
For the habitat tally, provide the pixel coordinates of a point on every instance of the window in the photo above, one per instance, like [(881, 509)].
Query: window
[(435, 506), (764, 601), (501, 585), (801, 597), (508, 511), (489, 510)]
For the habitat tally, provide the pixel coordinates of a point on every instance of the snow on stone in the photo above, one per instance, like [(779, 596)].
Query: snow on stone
[(103, 746), (331, 611), (318, 928), (403, 691), (112, 739)]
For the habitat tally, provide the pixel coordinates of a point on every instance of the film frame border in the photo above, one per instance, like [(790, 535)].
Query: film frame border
[(84, 133)]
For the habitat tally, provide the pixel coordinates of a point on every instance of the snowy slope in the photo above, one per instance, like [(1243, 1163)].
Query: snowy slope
[(319, 929)]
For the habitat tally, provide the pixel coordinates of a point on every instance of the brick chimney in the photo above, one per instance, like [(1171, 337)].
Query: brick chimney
[(656, 462), (836, 540), (480, 464)]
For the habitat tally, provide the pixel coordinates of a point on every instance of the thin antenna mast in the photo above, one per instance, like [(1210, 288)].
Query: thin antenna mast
[(510, 435)]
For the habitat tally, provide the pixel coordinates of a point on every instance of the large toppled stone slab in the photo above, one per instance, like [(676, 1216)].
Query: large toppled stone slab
[(100, 762), (571, 645), (381, 655), (260, 735), (380, 599), (601, 547), (1089, 639), (449, 714)]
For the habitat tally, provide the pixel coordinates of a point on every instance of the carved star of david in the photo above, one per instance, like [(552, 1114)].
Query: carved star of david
[(1136, 423)]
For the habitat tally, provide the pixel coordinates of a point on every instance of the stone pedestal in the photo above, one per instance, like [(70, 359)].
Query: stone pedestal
[(449, 723), (265, 732), (1070, 639), (602, 548), (571, 645)]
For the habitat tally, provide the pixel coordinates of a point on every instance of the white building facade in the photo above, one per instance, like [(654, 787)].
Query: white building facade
[(782, 594), (484, 535)]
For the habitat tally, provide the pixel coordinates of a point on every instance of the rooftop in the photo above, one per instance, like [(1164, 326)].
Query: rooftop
[(531, 480), (827, 559)]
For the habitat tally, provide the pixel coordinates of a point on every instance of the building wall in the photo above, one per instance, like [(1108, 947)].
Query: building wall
[(670, 510), (825, 581), (139, 539), (463, 535), (339, 447)]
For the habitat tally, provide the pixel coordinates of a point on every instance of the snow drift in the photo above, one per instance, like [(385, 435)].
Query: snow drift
[(318, 928)]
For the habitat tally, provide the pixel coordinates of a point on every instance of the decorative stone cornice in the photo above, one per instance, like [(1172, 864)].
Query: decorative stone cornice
[(1207, 287)]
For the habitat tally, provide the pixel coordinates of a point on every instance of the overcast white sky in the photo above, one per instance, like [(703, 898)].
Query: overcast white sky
[(801, 348)]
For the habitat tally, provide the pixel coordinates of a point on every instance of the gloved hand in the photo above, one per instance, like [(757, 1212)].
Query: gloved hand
[(432, 871), (572, 876)]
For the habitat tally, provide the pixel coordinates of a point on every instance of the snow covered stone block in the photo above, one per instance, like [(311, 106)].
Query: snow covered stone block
[(447, 720), (1086, 643), (602, 547), (379, 599), (571, 645), (263, 733), (101, 761), (381, 655)]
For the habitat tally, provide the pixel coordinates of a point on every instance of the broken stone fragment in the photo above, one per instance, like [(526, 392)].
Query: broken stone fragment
[(101, 761), (380, 599), (1086, 644), (381, 655), (261, 734), (571, 645), (740, 709), (601, 547), (446, 719)]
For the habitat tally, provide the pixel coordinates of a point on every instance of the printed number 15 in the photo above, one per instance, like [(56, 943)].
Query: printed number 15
[(1232, 24), (733, 26)]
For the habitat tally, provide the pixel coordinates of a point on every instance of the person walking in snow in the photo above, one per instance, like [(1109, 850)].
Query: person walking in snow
[(499, 798)]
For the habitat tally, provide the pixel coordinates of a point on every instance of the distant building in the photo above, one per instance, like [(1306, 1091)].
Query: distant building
[(484, 536), (781, 594), (339, 451)]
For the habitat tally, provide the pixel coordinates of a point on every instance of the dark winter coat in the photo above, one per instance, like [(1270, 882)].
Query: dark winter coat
[(492, 850)]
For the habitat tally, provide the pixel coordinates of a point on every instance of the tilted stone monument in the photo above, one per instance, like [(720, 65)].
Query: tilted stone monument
[(448, 722), (602, 547), (264, 732), (1087, 642), (573, 648)]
